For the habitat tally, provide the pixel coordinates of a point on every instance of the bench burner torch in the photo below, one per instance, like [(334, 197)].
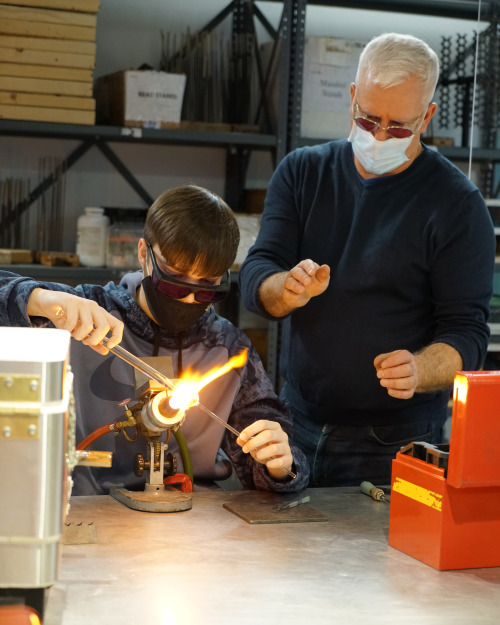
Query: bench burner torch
[(163, 380)]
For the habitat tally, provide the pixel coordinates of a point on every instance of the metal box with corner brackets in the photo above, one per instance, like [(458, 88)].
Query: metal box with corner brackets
[(445, 506), (35, 383)]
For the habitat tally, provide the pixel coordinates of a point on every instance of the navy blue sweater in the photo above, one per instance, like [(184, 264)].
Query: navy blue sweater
[(411, 258)]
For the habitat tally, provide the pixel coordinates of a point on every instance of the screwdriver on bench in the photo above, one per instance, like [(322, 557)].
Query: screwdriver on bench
[(372, 491)]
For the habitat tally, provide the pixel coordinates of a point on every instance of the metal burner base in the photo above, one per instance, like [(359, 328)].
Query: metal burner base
[(153, 501)]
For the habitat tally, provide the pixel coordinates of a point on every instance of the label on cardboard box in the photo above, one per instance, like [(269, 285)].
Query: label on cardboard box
[(330, 66), (153, 97)]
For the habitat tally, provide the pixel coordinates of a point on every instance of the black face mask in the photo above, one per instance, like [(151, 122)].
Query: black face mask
[(172, 315)]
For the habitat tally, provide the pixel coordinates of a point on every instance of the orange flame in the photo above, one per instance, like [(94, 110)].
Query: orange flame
[(187, 388)]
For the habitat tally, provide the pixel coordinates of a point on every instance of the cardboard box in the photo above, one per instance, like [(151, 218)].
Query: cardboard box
[(330, 66), (140, 99), (249, 229)]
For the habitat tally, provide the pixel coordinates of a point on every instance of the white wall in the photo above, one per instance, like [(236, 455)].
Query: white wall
[(128, 35)]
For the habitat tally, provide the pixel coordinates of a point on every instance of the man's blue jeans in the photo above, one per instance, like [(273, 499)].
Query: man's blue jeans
[(343, 455)]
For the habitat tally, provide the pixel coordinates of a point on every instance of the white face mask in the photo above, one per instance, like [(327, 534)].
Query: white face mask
[(378, 157)]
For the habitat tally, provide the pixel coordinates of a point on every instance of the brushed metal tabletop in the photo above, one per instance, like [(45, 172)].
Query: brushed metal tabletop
[(209, 566)]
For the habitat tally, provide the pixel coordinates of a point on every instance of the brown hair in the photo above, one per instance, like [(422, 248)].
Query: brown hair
[(195, 229)]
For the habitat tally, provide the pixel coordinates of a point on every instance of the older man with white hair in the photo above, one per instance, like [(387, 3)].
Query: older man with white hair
[(378, 254)]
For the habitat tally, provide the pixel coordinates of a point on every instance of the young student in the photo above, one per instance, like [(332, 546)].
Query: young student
[(166, 311)]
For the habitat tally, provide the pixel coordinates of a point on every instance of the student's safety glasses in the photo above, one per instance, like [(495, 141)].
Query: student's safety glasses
[(396, 132), (177, 289)]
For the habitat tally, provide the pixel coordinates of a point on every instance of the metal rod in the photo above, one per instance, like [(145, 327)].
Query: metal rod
[(218, 419), (139, 364), (233, 430), (44, 184)]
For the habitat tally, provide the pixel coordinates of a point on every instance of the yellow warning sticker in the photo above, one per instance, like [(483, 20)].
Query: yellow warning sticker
[(422, 495)]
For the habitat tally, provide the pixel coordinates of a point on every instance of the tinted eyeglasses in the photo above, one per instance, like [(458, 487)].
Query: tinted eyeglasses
[(177, 289), (396, 132)]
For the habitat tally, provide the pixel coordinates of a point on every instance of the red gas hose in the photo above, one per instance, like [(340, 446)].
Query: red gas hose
[(93, 436)]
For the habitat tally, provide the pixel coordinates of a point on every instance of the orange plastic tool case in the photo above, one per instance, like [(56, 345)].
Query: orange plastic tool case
[(445, 499)]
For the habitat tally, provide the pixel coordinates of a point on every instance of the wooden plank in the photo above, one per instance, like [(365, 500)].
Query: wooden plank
[(85, 6), (46, 101), (39, 57), (40, 85), (37, 114), (8, 257), (45, 16), (37, 29), (48, 45), (40, 71)]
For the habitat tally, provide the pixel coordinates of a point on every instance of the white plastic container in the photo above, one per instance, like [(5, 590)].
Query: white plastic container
[(92, 236)]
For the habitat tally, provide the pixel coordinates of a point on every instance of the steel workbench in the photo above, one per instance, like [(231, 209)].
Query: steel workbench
[(208, 566)]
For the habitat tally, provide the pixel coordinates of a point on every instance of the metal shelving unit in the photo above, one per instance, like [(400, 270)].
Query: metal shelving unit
[(101, 138), (68, 275), (130, 135), (457, 9), (238, 146)]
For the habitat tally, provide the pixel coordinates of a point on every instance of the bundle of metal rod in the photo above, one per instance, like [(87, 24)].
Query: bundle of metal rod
[(50, 210), (226, 78), (202, 57), (14, 227)]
